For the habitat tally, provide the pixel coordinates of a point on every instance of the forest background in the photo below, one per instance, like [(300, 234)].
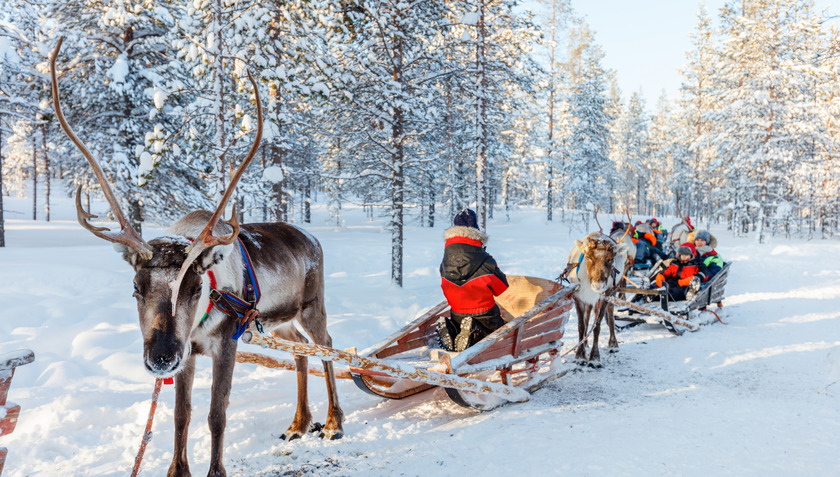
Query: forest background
[(417, 109)]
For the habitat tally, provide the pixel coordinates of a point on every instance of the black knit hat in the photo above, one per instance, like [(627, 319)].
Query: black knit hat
[(466, 218), (685, 251)]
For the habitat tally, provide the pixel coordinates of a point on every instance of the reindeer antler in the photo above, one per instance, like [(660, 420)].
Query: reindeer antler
[(629, 224), (127, 235), (206, 239), (600, 229)]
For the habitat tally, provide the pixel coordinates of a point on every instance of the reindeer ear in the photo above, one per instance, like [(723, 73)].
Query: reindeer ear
[(129, 255), (210, 257)]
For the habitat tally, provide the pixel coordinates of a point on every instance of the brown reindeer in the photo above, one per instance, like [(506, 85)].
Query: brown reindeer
[(199, 259), (598, 264)]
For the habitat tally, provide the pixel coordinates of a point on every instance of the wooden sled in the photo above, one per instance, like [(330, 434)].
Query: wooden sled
[(654, 306), (506, 366)]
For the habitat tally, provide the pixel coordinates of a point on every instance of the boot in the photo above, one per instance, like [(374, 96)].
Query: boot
[(462, 341), (693, 288), (444, 331)]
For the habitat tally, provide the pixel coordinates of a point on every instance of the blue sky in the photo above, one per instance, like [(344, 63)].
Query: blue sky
[(645, 40)]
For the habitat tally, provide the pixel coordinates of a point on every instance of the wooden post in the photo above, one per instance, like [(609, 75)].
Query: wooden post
[(9, 412)]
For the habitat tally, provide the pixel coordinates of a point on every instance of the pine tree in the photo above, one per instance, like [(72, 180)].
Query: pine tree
[(385, 103), (701, 165), (589, 169), (589, 165), (760, 92)]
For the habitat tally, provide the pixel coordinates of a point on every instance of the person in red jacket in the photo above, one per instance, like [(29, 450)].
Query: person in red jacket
[(470, 278), (684, 274)]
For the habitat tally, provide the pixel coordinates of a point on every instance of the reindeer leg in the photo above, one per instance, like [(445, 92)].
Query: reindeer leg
[(180, 467), (613, 343), (314, 322), (223, 363), (595, 354), (302, 422), (583, 315)]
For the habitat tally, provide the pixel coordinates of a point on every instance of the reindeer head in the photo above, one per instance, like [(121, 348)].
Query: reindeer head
[(166, 329), (168, 270), (599, 252)]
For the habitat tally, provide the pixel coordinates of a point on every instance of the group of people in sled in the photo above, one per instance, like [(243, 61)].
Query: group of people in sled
[(650, 238), (696, 262), (471, 278)]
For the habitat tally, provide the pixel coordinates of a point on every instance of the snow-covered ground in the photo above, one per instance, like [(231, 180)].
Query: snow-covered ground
[(759, 396)]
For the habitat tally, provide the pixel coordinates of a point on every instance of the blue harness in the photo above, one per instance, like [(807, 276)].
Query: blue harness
[(233, 306)]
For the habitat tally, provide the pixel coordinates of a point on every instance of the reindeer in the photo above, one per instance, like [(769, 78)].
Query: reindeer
[(598, 263), (202, 265)]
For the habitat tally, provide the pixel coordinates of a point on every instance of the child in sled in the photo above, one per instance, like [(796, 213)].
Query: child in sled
[(705, 245), (684, 275)]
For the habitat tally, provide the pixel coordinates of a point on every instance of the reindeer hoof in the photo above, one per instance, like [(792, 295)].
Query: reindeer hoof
[(613, 349), (316, 427), (580, 361), (332, 435), (595, 363), (290, 436)]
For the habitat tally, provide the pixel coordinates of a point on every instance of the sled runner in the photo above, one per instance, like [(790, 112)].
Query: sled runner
[(654, 305), (506, 366)]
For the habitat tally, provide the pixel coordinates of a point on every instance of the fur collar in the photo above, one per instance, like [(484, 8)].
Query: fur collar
[(468, 232), (704, 250)]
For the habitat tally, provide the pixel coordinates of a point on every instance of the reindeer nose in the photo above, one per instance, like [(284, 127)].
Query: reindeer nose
[(162, 365), (599, 286)]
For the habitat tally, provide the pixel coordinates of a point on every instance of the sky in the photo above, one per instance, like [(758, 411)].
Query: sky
[(645, 41)]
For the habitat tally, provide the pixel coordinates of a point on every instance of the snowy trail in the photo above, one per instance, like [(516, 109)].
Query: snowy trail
[(759, 396)]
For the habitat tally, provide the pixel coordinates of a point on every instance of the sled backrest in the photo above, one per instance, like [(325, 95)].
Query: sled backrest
[(523, 293)]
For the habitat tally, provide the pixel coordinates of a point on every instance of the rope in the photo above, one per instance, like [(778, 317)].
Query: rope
[(716, 315), (147, 436)]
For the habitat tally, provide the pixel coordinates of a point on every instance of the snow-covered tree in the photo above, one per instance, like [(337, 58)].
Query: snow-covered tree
[(630, 153), (385, 104)]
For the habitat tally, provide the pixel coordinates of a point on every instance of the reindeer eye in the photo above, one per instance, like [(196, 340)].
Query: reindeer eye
[(136, 290), (197, 290)]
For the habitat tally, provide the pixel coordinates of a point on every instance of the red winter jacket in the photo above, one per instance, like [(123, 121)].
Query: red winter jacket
[(470, 277), (682, 272)]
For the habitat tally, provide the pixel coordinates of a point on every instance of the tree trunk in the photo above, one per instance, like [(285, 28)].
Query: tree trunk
[(307, 202), (47, 170), (135, 214), (397, 184), (549, 198), (481, 121), (397, 177), (2, 217), (34, 180), (218, 100), (432, 198)]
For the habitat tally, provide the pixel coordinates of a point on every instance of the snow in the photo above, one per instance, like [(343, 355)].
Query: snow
[(118, 72), (160, 98), (470, 18), (146, 166), (758, 396), (7, 51), (273, 174)]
